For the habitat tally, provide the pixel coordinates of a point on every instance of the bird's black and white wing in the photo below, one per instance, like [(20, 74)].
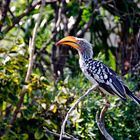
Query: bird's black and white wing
[(106, 78)]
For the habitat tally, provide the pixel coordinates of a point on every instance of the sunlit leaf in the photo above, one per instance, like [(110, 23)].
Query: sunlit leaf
[(61, 99), (116, 19), (53, 108), (29, 88), (13, 49)]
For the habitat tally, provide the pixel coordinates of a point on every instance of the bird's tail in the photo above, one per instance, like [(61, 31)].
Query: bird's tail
[(132, 96)]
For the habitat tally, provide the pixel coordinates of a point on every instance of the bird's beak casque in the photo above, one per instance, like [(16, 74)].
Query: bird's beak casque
[(70, 41)]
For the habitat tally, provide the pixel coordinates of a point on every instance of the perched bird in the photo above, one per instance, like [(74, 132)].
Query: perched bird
[(96, 71)]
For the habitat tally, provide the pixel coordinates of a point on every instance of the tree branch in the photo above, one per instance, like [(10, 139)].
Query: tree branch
[(17, 19), (100, 122), (81, 32), (67, 136), (30, 66), (77, 21), (72, 108)]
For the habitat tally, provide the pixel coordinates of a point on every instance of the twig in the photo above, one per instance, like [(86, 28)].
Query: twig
[(67, 136), (56, 29), (75, 104), (77, 21), (82, 31), (17, 19), (87, 25), (100, 122), (30, 66)]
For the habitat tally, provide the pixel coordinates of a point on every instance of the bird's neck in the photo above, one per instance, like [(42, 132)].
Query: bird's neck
[(83, 61), (85, 56)]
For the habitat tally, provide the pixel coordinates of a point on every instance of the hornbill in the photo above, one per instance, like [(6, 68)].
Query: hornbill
[(96, 72)]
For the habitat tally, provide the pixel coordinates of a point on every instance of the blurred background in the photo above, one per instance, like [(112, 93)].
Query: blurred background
[(111, 26)]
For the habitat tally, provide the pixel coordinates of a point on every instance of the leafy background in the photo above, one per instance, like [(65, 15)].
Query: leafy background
[(56, 81)]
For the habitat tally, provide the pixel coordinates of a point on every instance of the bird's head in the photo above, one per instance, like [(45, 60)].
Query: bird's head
[(81, 45)]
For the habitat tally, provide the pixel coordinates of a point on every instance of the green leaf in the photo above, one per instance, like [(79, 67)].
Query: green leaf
[(39, 134), (116, 19), (103, 11), (13, 49), (3, 50), (8, 20), (130, 30), (23, 136), (27, 113), (13, 98), (112, 60)]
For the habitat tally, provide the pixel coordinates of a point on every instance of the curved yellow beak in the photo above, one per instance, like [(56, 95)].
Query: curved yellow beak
[(70, 41)]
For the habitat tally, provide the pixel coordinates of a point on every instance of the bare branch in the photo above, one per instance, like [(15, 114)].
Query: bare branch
[(77, 21), (72, 108), (64, 18), (56, 29), (87, 25), (67, 136), (100, 122), (17, 19), (32, 47), (81, 32), (30, 66)]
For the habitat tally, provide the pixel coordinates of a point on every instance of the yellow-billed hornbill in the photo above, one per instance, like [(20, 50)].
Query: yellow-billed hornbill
[(96, 71)]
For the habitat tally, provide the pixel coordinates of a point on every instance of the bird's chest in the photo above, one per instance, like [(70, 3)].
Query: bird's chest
[(84, 68)]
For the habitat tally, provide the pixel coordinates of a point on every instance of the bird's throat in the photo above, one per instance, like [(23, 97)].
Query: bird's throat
[(85, 55)]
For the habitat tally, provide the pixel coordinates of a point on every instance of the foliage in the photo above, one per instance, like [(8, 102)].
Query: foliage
[(49, 96)]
